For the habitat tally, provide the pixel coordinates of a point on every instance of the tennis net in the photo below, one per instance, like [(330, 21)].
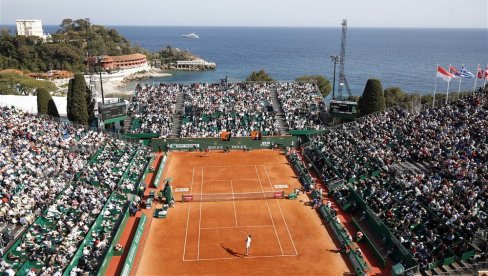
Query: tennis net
[(232, 196)]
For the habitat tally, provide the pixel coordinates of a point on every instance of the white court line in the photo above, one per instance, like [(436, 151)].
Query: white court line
[(200, 219), (236, 227), (188, 217), (244, 257), (233, 201), (267, 204), (218, 180), (233, 166), (277, 202)]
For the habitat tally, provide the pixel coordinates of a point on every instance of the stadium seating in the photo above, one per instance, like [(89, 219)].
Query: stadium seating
[(428, 216), (208, 109), (57, 181)]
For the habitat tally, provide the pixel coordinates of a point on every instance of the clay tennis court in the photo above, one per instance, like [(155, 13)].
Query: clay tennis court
[(209, 237)]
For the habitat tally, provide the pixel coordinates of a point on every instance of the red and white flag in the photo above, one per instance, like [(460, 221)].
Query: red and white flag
[(444, 74), (479, 73), (486, 73)]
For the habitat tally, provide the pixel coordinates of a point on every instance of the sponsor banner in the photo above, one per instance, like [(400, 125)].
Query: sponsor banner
[(238, 147), (183, 146), (215, 147), (281, 186), (180, 190), (265, 144)]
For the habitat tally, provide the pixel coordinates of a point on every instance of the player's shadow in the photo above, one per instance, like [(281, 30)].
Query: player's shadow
[(232, 252)]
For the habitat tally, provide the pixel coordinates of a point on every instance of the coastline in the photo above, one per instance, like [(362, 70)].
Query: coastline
[(120, 83)]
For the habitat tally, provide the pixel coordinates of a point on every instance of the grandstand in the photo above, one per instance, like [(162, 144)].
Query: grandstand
[(205, 110), (67, 189), (430, 218), (413, 183)]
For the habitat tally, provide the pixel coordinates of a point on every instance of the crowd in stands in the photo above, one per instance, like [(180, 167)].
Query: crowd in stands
[(431, 211), (37, 159), (54, 239), (238, 108), (40, 160), (154, 107), (107, 168), (301, 103)]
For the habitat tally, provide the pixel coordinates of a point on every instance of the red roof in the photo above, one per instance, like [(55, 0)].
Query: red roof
[(128, 57)]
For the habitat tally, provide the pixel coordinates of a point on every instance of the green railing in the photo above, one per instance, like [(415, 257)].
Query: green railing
[(111, 252), (370, 244), (97, 225), (157, 179), (341, 234), (235, 143), (129, 261), (94, 158)]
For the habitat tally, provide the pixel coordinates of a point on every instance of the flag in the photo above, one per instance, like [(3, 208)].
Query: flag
[(442, 73), (454, 71), (486, 73), (466, 74), (480, 73)]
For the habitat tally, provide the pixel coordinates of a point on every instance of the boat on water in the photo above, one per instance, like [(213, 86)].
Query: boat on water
[(190, 35)]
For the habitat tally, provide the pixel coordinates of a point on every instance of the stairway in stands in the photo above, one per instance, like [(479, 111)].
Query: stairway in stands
[(459, 268), (410, 166), (177, 116), (127, 124), (280, 114)]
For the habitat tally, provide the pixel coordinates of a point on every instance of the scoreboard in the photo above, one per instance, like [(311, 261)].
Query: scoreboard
[(343, 109), (113, 110)]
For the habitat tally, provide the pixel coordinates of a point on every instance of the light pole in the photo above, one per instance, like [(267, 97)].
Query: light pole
[(334, 59)]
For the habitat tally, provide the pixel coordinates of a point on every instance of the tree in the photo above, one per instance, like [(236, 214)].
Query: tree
[(324, 85), (67, 24), (90, 105), (261, 75), (43, 98), (372, 99), (17, 84), (76, 101), (394, 96), (52, 109), (45, 103)]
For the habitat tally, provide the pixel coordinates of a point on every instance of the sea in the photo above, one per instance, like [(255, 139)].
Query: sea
[(399, 57)]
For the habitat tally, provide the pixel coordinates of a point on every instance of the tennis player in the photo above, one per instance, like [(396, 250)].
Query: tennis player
[(248, 242)]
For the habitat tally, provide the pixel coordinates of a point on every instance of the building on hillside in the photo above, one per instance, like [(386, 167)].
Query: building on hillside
[(118, 62), (53, 74), (30, 27), (196, 64)]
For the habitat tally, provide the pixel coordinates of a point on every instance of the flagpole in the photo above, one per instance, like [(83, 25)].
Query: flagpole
[(435, 86), (447, 92), (459, 90), (476, 77), (485, 76)]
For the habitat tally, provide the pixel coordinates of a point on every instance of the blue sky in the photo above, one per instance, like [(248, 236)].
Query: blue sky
[(316, 13)]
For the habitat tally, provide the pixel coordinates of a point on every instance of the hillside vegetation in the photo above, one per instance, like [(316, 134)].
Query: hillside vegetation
[(66, 50)]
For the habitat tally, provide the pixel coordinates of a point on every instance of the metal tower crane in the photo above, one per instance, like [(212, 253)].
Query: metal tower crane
[(342, 58), (340, 106)]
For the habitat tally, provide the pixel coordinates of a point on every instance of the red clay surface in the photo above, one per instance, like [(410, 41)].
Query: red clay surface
[(207, 238)]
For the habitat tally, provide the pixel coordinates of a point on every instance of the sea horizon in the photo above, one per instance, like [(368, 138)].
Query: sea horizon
[(399, 57), (259, 26)]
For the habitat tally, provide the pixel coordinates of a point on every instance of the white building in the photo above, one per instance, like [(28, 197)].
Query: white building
[(195, 64), (30, 27)]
